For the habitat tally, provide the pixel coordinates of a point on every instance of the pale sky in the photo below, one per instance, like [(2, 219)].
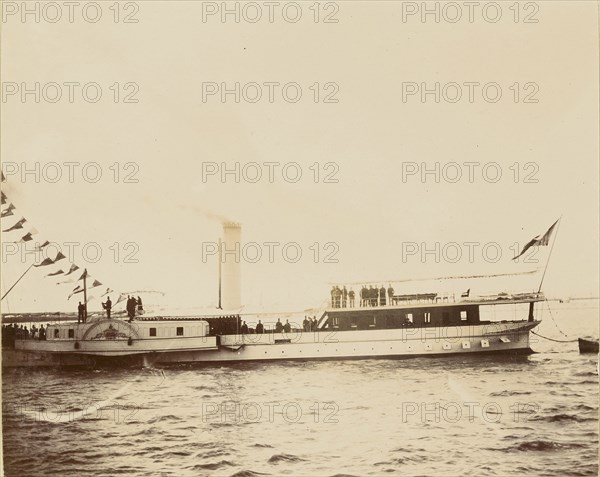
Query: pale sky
[(370, 135)]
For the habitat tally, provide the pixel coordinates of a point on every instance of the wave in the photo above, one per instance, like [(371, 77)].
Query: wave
[(561, 418), (506, 393), (275, 459), (247, 473), (213, 465), (539, 446)]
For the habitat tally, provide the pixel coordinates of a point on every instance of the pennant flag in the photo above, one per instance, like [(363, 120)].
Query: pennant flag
[(45, 244), (77, 289), (83, 275), (120, 299), (46, 261), (95, 284), (72, 269), (108, 290), (58, 272), (27, 237), (70, 280), (8, 211), (538, 240), (18, 225), (3, 197), (59, 256)]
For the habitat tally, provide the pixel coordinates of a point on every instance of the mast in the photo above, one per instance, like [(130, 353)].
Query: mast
[(84, 295), (220, 276), (550, 254)]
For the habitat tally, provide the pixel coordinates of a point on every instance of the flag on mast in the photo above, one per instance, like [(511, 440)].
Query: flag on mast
[(539, 240)]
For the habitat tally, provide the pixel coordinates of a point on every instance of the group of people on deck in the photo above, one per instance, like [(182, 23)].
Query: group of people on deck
[(309, 324), (369, 296), (13, 332), (132, 305)]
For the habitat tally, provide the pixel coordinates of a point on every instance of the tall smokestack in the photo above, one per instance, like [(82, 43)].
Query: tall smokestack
[(230, 265)]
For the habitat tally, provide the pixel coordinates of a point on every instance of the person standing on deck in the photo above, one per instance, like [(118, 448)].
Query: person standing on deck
[(260, 329), (344, 297), (107, 306), (382, 296), (80, 313), (351, 298), (287, 327), (390, 292), (244, 328)]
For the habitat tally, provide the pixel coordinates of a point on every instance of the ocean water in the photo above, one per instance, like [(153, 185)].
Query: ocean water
[(534, 415)]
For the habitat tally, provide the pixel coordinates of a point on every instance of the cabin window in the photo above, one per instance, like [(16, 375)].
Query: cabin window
[(152, 331), (180, 331), (336, 322), (56, 333), (463, 315), (427, 317), (71, 333), (409, 317)]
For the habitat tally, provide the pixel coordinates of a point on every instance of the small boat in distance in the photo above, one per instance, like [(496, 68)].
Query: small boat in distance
[(588, 345)]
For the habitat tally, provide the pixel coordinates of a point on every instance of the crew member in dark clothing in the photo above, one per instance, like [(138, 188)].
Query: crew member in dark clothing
[(140, 307), (131, 303), (278, 326), (351, 298), (315, 324), (306, 324), (42, 332), (344, 297), (287, 327), (80, 313), (260, 329), (390, 292), (382, 296), (107, 306), (244, 328)]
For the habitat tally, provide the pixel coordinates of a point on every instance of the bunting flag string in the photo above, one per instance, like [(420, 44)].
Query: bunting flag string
[(53, 274), (28, 237), (40, 247), (72, 269), (8, 211), (18, 225)]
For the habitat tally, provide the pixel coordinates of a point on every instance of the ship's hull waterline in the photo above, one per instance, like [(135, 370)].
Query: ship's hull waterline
[(484, 338)]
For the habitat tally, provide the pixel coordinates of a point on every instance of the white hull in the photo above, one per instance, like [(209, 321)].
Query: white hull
[(512, 337)]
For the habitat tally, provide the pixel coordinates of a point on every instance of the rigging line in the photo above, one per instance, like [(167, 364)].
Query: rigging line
[(554, 321), (550, 339)]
